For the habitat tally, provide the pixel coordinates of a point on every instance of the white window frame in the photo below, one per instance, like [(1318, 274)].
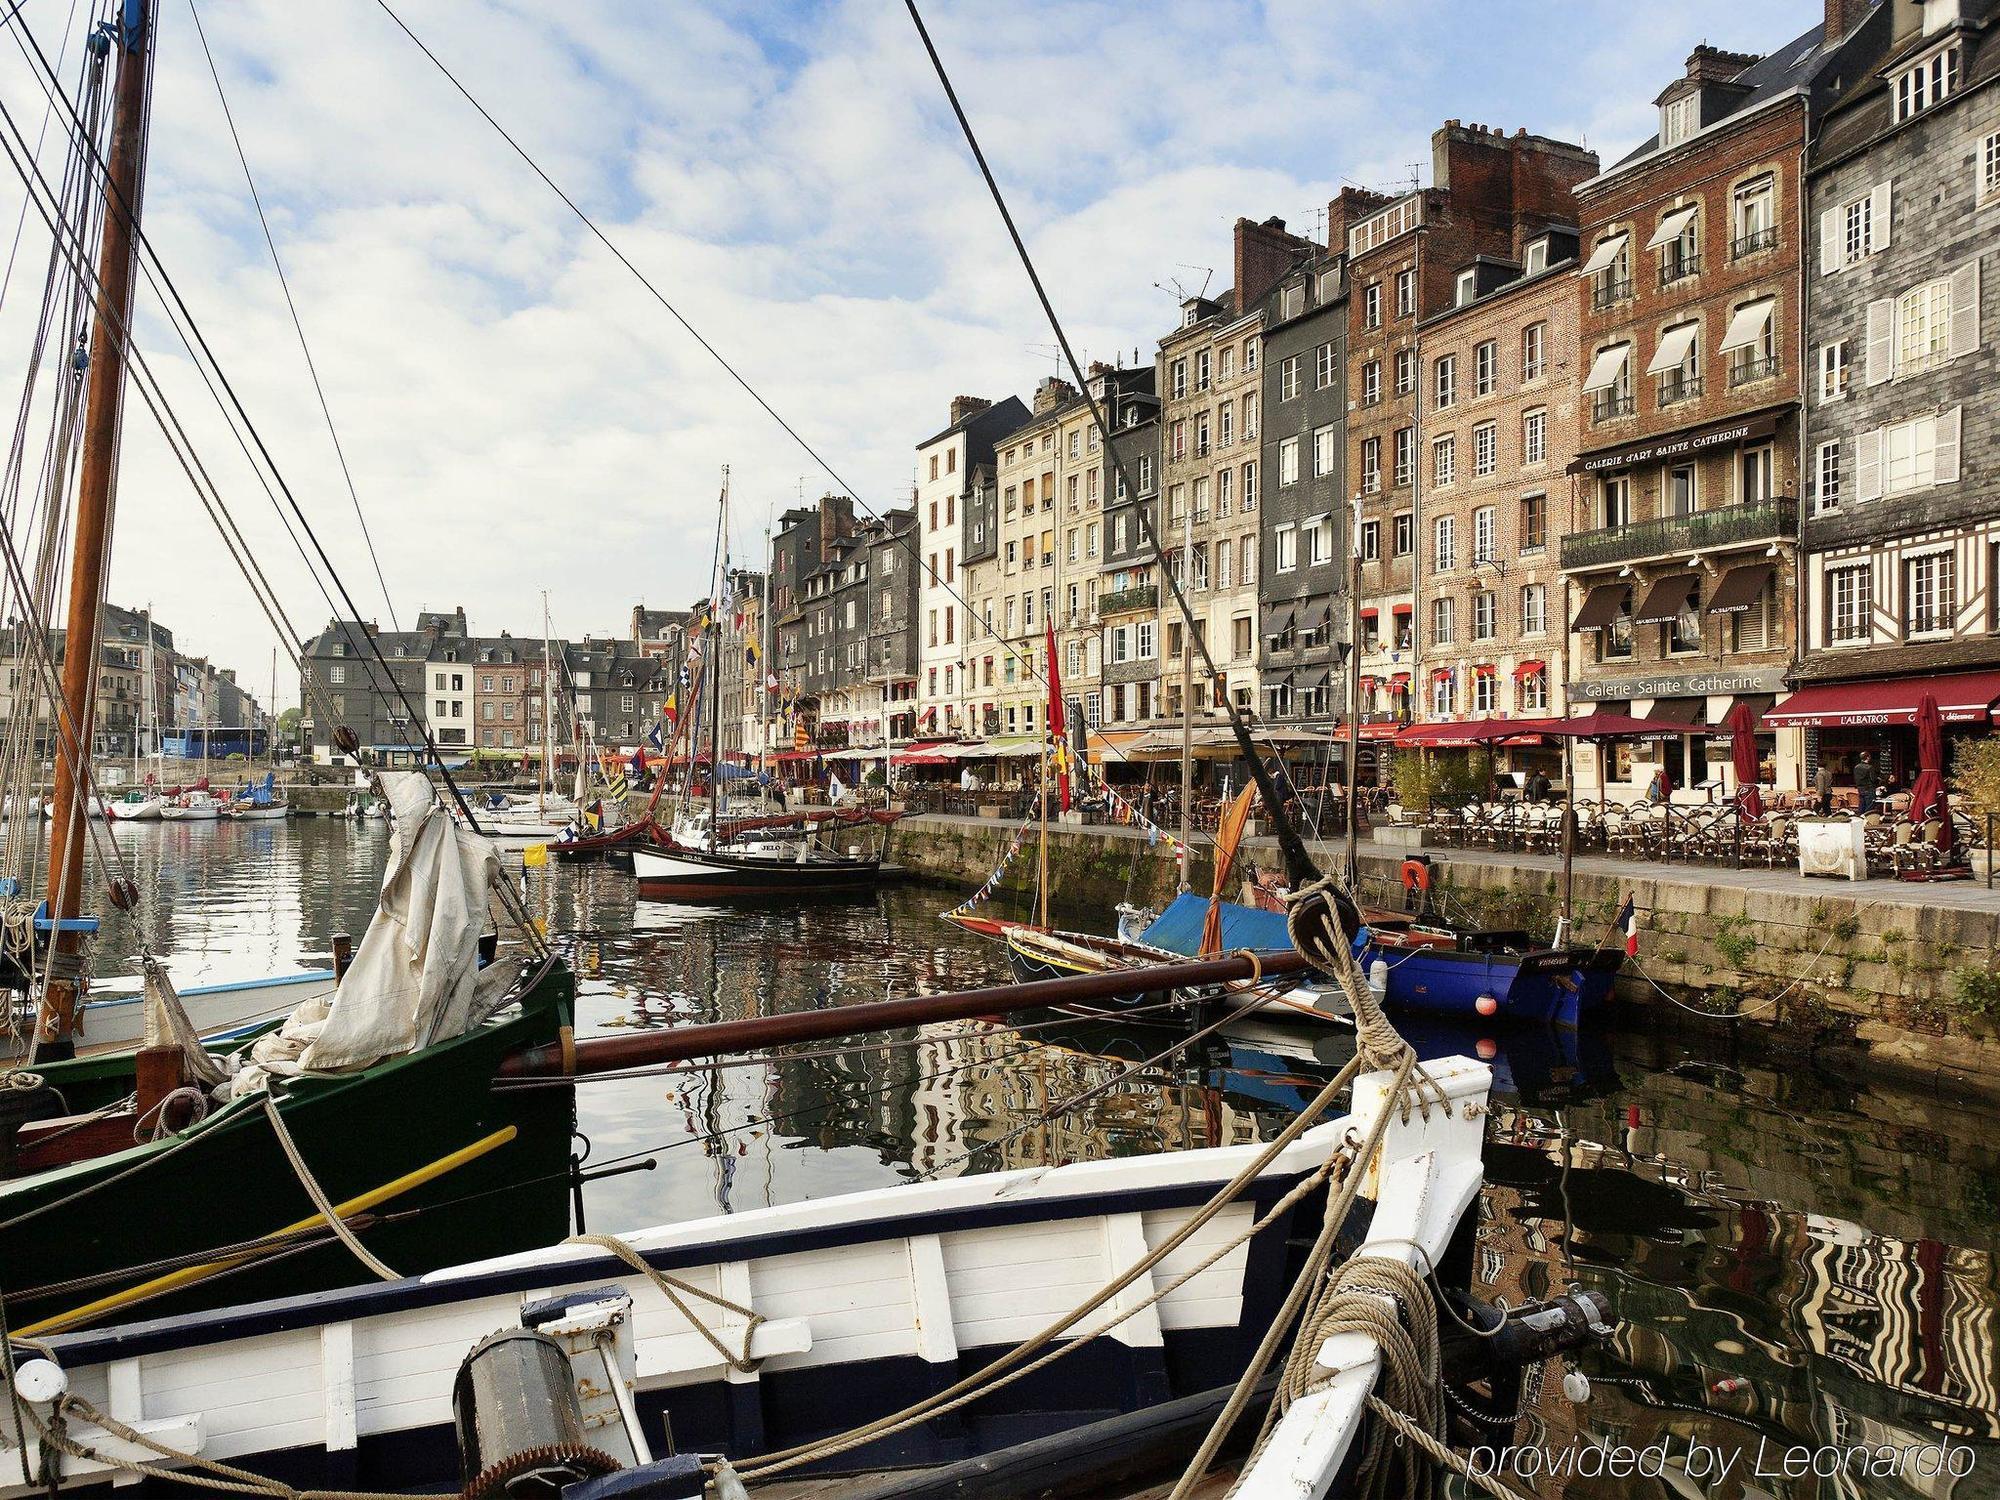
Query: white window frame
[(1406, 293), (1986, 169), (1445, 381), (1826, 477), (1835, 373), (1941, 595), (1534, 352), (1371, 305), (1325, 454), (1534, 609), (1444, 461), (1535, 436), (1288, 461), (1444, 543), (1485, 449), (1927, 82), (1284, 549), (1849, 605)]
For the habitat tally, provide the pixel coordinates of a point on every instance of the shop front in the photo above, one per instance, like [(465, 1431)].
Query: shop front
[(1694, 755), (1842, 721)]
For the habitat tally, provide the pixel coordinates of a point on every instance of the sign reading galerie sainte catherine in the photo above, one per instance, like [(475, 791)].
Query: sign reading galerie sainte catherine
[(1686, 685), (1676, 445)]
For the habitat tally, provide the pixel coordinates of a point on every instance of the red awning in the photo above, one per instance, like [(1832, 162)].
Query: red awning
[(1485, 669), (1962, 698), (1528, 669), (1367, 680), (1370, 613), (1401, 678), (1403, 609), (922, 755)]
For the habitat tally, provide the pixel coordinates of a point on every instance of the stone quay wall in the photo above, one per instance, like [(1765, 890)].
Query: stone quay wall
[(1880, 977)]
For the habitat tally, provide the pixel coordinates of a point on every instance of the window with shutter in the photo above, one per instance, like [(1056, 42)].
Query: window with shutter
[(1831, 253), (1879, 218), (1964, 335), (1944, 451), (1868, 465), (1881, 361)]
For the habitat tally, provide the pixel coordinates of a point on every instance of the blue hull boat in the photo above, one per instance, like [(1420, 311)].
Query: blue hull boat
[(1468, 973)]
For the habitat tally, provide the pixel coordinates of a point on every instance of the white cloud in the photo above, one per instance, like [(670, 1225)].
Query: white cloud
[(519, 415)]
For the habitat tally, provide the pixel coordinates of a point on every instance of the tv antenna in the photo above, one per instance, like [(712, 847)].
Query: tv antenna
[(1179, 288)]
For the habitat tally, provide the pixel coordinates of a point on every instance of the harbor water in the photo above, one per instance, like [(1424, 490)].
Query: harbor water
[(1797, 1262)]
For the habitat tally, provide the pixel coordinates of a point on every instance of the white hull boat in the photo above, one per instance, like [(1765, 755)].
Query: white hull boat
[(254, 812), (138, 810), (794, 1324), (195, 807), (114, 1014), (96, 807)]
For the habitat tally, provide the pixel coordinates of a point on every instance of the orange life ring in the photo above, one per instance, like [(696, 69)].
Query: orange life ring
[(1416, 876)]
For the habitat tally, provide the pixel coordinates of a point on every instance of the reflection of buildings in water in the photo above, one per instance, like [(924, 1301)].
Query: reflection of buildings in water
[(968, 1087), (1844, 1336), (1515, 1262)]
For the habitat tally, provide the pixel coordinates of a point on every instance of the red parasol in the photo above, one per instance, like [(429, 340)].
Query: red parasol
[(1927, 798), (1743, 759)]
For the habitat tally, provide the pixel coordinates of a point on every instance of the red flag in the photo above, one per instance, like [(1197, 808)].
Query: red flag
[(1058, 721)]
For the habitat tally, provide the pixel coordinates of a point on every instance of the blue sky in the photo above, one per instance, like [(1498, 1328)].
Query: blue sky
[(519, 416)]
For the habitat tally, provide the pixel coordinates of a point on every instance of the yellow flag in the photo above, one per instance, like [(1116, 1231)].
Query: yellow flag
[(534, 856)]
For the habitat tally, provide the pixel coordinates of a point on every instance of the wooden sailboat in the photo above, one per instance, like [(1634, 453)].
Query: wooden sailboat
[(704, 858), (116, 1162)]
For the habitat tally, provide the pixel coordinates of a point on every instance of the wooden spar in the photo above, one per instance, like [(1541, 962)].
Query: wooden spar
[(680, 1043), (97, 479)]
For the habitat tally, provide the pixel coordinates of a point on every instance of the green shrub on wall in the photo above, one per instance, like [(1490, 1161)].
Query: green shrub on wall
[(1443, 776)]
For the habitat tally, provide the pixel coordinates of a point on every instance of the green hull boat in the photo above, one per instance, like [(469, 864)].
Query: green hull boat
[(488, 1173)]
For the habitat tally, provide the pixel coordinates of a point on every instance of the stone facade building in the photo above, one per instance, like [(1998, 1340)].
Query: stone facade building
[(1128, 596), (1213, 384), (1508, 348), (1023, 589), (1492, 195), (1902, 526), (806, 537), (1681, 544), (949, 465), (1305, 541)]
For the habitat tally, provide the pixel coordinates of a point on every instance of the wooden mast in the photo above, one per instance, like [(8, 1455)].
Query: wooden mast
[(97, 481)]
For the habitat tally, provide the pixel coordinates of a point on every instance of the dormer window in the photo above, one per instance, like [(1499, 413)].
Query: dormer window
[(1468, 286), (1187, 316), (1538, 256), (1930, 80), (1680, 118)]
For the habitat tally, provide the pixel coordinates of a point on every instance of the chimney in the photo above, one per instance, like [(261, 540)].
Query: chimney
[(1264, 252), (1842, 16), (1708, 64), (964, 406), (1051, 393)]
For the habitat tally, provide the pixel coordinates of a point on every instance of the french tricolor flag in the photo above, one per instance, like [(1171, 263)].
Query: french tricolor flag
[(1628, 923)]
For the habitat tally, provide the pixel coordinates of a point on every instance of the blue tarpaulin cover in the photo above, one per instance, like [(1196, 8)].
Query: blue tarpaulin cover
[(1178, 928)]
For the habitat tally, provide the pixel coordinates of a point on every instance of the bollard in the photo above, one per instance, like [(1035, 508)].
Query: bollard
[(343, 955)]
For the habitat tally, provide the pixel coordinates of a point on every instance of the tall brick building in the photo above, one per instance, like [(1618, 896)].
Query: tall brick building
[(1684, 517), (1502, 405), (1492, 195), (1902, 531)]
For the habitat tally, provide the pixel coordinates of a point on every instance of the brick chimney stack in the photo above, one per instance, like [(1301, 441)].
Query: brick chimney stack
[(1842, 16), (1051, 393), (964, 406), (1708, 64), (1264, 252)]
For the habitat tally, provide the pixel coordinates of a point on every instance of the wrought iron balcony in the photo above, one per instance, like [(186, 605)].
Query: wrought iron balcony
[(1743, 371), (1610, 406), (1607, 292), (1145, 596), (1733, 525), (1676, 386), (1751, 243), (1680, 269)]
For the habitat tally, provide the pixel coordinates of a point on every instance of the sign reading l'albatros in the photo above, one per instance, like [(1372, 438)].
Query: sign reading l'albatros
[(1677, 445)]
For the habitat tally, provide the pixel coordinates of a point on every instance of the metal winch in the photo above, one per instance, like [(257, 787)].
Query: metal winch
[(548, 1410)]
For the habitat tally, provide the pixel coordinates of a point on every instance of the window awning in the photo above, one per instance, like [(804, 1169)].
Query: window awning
[(1607, 368), (1279, 623), (1673, 350), (1666, 599), (1485, 669), (1672, 227), (1962, 698), (1311, 521), (1528, 669), (1747, 326), (1677, 710), (1740, 588), (1403, 609), (1601, 606), (1605, 253), (1370, 612)]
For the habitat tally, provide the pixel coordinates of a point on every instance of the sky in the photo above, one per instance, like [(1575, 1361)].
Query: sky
[(519, 415)]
